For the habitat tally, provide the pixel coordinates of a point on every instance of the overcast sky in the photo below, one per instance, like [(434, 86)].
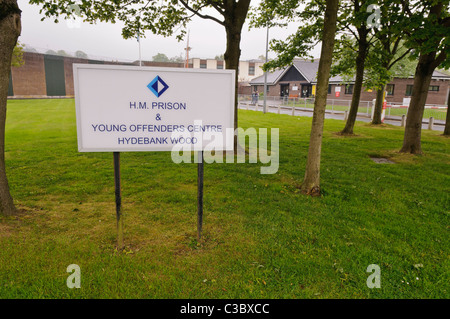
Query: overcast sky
[(207, 38)]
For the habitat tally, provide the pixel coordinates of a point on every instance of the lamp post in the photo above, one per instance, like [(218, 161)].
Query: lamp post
[(265, 73)]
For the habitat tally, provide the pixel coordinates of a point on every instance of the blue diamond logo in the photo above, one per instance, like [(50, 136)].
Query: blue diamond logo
[(158, 86)]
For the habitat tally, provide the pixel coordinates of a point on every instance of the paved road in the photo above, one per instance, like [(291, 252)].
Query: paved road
[(337, 115)]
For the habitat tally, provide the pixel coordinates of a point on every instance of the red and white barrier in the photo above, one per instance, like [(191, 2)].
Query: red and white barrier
[(383, 112)]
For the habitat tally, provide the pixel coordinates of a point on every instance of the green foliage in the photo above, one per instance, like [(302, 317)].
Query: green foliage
[(427, 24), (387, 55), (177, 59), (17, 56), (164, 18), (28, 48), (381, 66), (138, 16), (160, 57), (278, 13), (51, 52), (62, 53), (80, 54), (345, 52)]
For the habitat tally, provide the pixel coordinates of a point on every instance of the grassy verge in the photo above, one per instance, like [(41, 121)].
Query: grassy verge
[(262, 238)]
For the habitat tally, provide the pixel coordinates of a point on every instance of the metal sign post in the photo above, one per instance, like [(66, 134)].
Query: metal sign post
[(118, 200), (200, 195)]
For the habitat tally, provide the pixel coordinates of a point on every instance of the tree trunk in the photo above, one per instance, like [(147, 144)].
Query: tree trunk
[(231, 57), (378, 106), (10, 28), (359, 77), (311, 182), (235, 16), (447, 118), (413, 127)]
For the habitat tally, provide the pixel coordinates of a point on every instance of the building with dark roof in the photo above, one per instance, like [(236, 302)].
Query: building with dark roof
[(300, 79)]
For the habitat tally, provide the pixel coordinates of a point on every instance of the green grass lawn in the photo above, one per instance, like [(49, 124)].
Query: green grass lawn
[(262, 238)]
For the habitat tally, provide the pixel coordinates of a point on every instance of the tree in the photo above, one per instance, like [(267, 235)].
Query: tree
[(28, 48), (427, 24), (274, 13), (233, 15), (354, 20), (80, 54), (17, 56), (160, 57), (381, 65), (384, 61), (386, 52), (62, 53), (351, 21), (318, 23), (51, 52), (380, 47), (177, 59), (10, 28), (311, 182)]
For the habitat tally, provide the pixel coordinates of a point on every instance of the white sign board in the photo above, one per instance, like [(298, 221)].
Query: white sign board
[(128, 108), (337, 89)]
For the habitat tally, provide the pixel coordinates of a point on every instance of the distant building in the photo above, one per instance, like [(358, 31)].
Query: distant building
[(46, 75), (248, 70), (300, 80)]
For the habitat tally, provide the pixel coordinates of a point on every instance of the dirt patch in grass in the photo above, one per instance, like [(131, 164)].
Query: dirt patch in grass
[(6, 230), (381, 126), (396, 157), (381, 160)]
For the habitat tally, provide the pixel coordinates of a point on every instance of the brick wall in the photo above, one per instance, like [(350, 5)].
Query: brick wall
[(274, 90), (400, 85), (163, 64), (68, 73), (29, 79)]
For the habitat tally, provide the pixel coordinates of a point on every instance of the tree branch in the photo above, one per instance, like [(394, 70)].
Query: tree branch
[(197, 13), (440, 58), (446, 22), (352, 32), (398, 59), (216, 6)]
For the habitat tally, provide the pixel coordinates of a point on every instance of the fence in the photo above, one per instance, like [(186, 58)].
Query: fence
[(335, 106), (438, 112)]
